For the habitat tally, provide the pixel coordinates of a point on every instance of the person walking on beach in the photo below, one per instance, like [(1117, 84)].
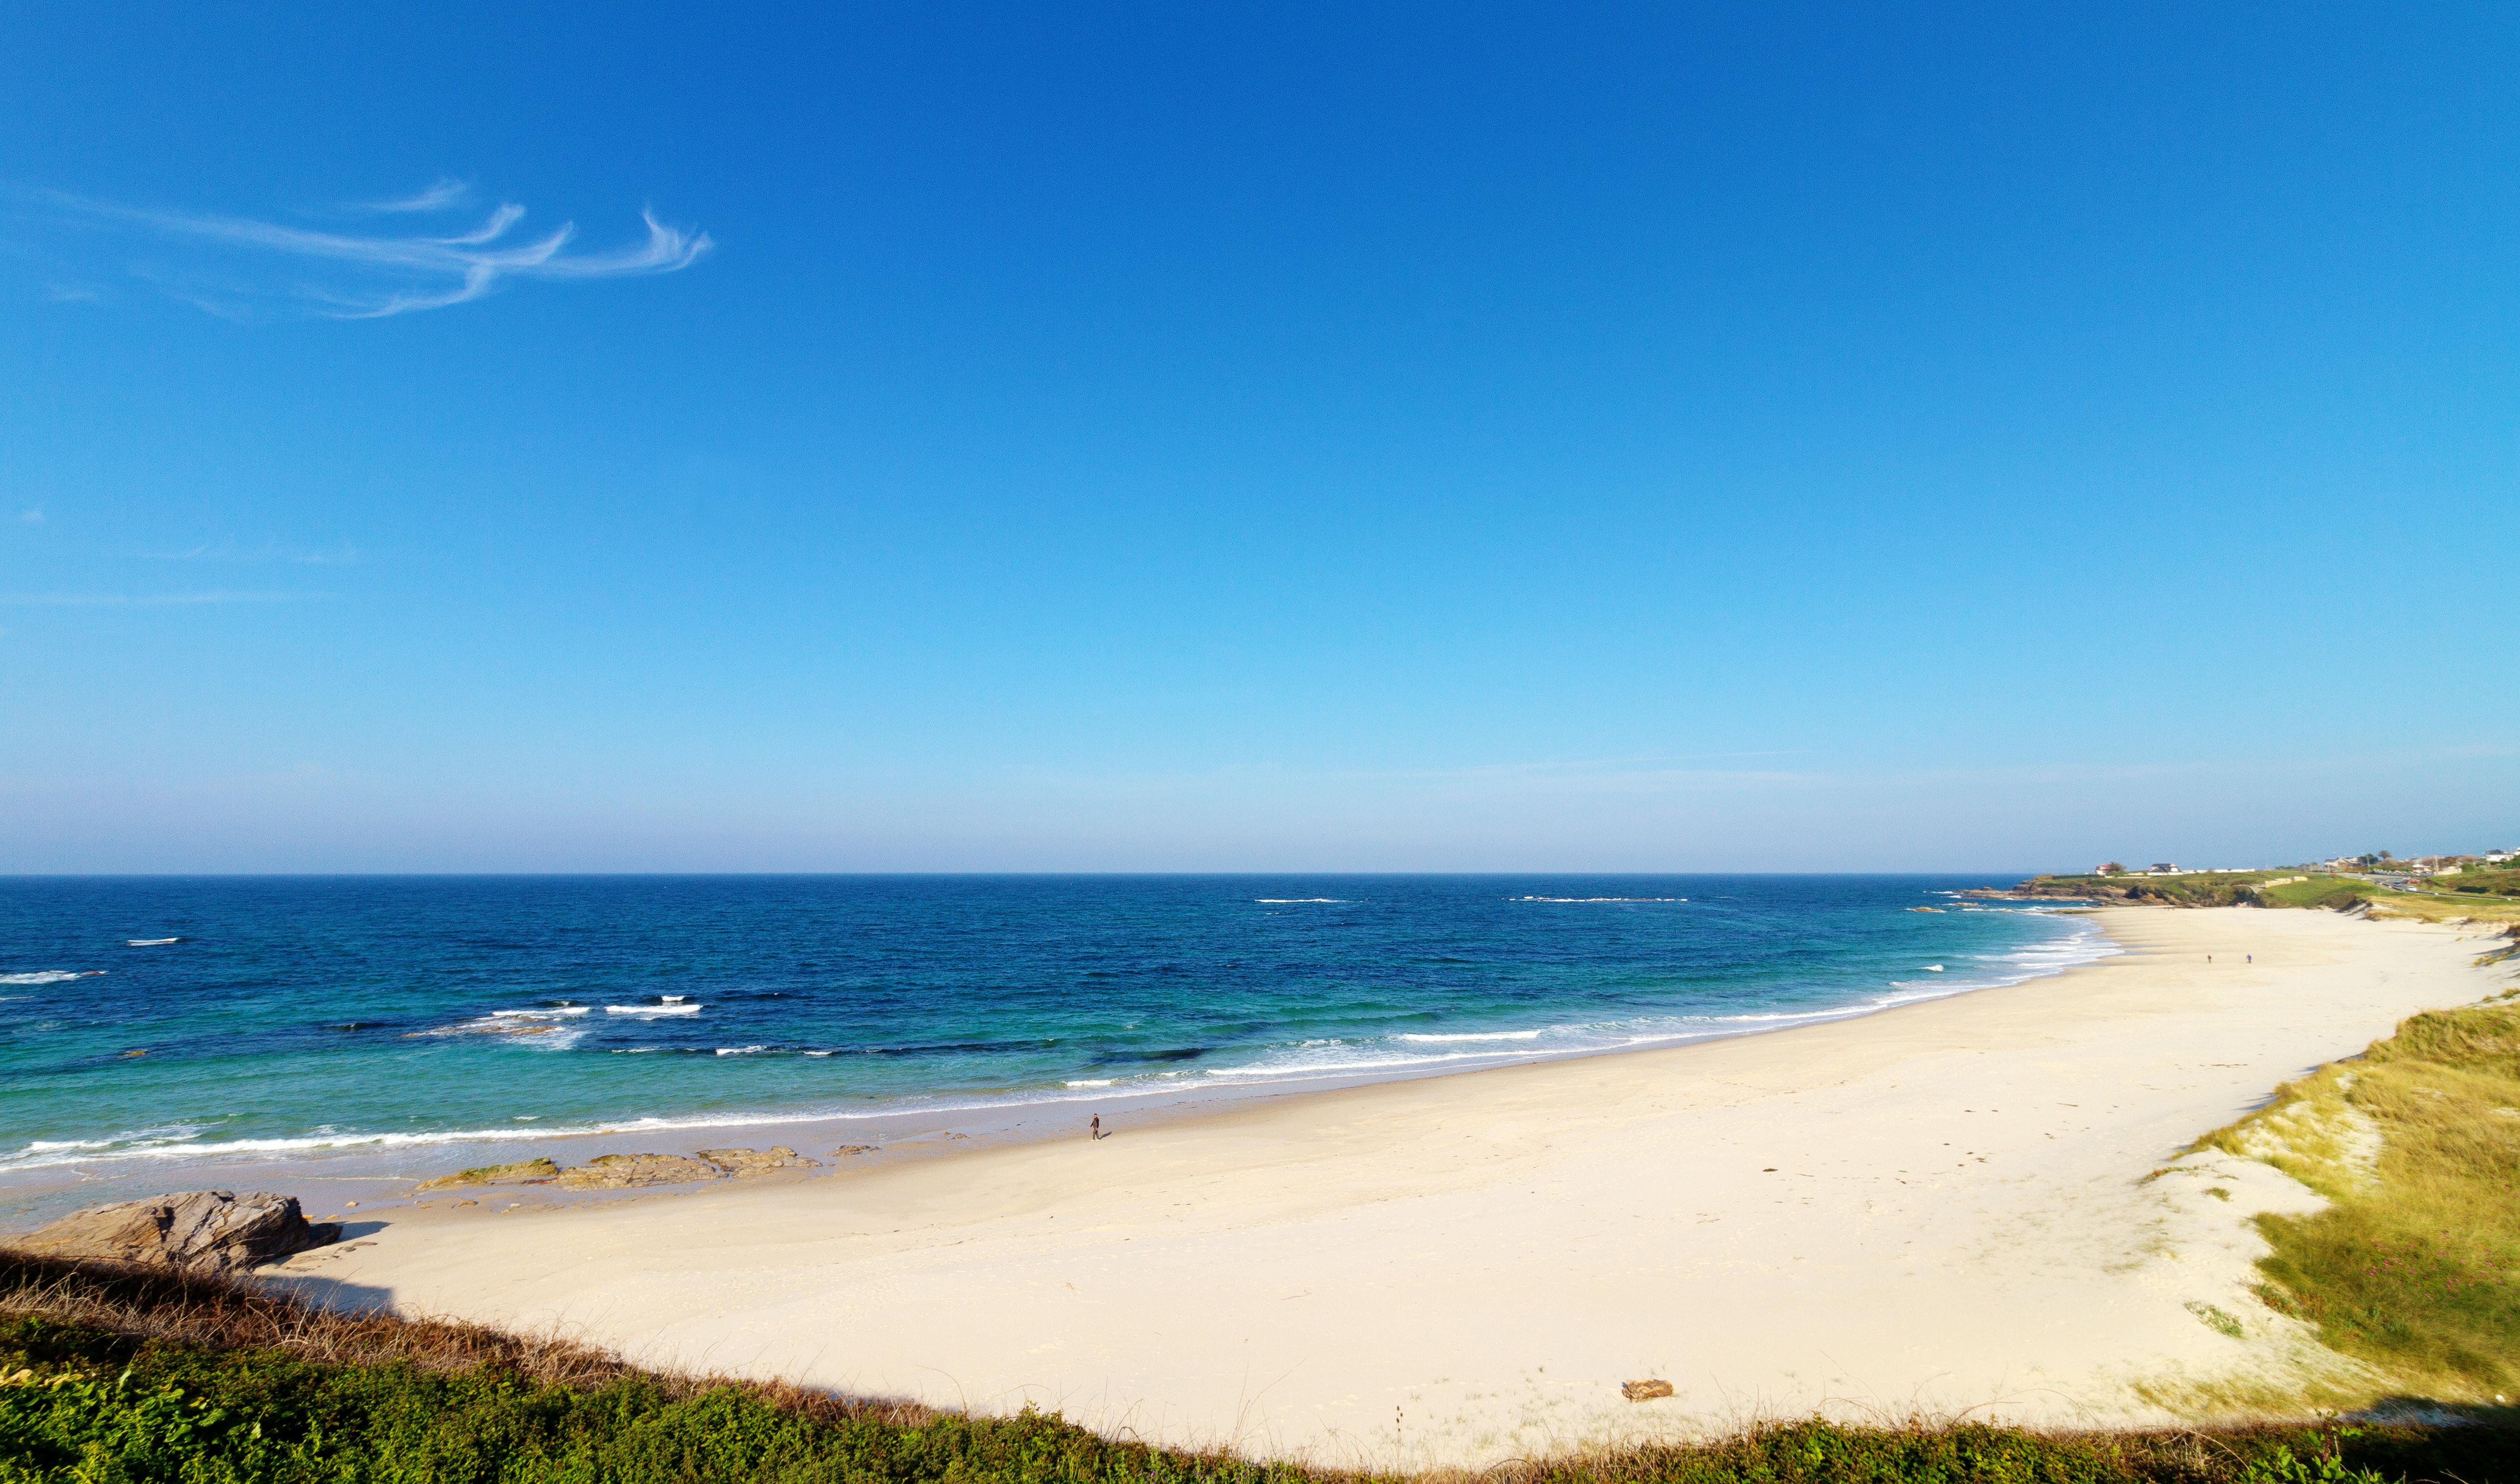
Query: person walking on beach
[(1096, 1131)]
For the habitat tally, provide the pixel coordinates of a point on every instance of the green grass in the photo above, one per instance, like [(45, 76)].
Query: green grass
[(2414, 1265), (95, 1388), (2203, 888), (2480, 882), (2328, 892), (2438, 901)]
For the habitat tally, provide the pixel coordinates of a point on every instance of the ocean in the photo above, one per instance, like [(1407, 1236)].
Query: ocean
[(153, 1028)]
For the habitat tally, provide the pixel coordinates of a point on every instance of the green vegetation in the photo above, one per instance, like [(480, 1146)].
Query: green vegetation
[(2334, 892), (2414, 1266), (2445, 897), (2198, 889), (2483, 881), (117, 1378)]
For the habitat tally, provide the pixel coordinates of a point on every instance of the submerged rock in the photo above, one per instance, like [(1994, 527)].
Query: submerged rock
[(200, 1230), (759, 1161), (615, 1172), (524, 1172)]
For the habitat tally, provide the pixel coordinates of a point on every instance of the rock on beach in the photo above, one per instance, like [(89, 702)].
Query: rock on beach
[(524, 1172), (197, 1230), (759, 1161), (615, 1172)]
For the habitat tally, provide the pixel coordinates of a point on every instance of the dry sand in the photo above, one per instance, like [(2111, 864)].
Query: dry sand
[(1940, 1208)]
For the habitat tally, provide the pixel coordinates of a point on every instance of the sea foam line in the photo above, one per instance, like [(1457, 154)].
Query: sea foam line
[(2082, 944)]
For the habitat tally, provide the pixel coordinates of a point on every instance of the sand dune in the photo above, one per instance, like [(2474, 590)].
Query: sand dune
[(1942, 1207)]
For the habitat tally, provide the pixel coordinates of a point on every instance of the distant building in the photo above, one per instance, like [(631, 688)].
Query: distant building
[(2111, 868), (2164, 868)]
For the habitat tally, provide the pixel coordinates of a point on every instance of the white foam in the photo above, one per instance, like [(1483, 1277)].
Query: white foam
[(676, 1009), (1091, 1082), (1484, 1035), (50, 977), (1597, 899), (741, 1050), (538, 1027), (1291, 901), (1320, 1058), (554, 1012), (149, 942), (1933, 969)]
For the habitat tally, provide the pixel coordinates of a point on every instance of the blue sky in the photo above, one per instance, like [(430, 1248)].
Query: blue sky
[(1138, 437)]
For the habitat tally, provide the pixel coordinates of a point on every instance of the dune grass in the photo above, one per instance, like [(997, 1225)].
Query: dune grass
[(116, 1377), (2414, 1265)]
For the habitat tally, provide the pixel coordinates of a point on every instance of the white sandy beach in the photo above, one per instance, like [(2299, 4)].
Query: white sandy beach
[(1940, 1207)]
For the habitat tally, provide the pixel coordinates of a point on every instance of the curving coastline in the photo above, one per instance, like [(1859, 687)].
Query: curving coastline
[(444, 1064), (1943, 1206)]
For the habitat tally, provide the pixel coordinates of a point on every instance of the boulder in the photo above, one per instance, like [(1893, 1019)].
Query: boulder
[(847, 1149), (759, 1161), (199, 1230), (524, 1172), (618, 1172), (1644, 1391)]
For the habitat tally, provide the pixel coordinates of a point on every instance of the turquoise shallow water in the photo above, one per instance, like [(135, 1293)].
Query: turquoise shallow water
[(323, 1013)]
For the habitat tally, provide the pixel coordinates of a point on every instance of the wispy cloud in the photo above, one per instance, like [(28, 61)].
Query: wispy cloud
[(228, 551), (447, 192), (348, 275), (146, 600), (32, 516)]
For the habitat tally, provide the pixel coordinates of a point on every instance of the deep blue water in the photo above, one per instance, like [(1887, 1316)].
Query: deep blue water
[(316, 1012)]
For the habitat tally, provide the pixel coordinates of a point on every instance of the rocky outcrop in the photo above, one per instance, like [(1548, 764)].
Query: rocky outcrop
[(622, 1172), (2199, 889), (759, 1161), (198, 1231), (524, 1172)]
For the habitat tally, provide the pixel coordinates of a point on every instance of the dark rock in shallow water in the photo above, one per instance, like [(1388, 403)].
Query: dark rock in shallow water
[(200, 1230)]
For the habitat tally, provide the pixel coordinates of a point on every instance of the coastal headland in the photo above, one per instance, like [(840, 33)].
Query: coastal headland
[(1973, 1206)]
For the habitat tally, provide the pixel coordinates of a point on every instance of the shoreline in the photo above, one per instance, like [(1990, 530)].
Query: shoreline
[(1837, 1218), (378, 1170)]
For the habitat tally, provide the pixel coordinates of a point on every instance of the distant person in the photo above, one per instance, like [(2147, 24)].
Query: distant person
[(1098, 1125)]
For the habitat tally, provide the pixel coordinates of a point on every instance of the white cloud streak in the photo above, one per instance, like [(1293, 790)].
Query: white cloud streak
[(446, 192), (145, 601), (228, 550), (377, 276)]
